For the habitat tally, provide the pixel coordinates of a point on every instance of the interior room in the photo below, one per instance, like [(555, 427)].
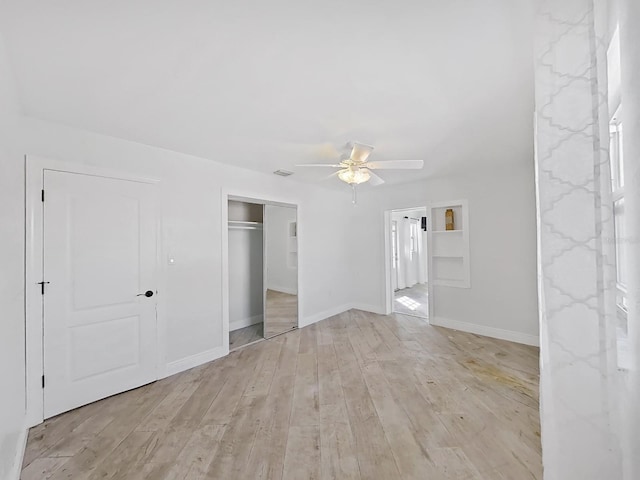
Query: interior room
[(335, 240)]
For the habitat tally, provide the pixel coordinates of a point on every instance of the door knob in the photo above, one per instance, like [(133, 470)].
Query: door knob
[(148, 293)]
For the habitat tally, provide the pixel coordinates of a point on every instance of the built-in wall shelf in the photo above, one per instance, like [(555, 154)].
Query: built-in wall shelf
[(449, 249)]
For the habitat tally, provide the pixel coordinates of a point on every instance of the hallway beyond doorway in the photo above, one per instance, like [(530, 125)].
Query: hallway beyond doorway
[(412, 301)]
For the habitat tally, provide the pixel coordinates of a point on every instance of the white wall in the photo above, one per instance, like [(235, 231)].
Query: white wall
[(246, 266), (12, 398), (503, 294), (191, 201), (246, 272), (282, 274)]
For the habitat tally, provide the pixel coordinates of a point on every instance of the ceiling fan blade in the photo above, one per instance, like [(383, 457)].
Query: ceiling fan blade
[(374, 179), (360, 152), (398, 164), (332, 165)]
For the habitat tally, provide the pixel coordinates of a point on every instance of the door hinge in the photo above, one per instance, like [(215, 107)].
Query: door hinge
[(42, 284), (42, 381), (42, 195)]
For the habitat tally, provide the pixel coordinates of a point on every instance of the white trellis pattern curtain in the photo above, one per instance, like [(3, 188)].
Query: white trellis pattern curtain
[(576, 255)]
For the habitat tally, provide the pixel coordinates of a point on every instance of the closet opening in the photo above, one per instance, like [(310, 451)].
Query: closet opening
[(262, 270)]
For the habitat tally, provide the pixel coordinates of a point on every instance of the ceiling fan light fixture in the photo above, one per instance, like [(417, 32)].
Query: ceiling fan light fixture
[(354, 176)]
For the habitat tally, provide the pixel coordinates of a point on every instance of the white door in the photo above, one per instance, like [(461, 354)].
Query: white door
[(99, 255)]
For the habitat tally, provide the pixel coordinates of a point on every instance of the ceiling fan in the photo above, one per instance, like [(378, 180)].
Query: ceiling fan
[(355, 169)]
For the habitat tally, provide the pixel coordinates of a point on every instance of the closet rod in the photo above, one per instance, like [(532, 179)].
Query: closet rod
[(244, 223), (245, 227)]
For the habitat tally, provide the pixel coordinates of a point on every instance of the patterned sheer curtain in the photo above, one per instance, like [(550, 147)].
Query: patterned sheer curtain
[(582, 434)]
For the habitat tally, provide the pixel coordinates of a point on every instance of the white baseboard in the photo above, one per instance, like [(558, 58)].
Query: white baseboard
[(183, 364), (510, 335), (245, 322), (369, 308), (303, 322), (290, 291), (16, 468)]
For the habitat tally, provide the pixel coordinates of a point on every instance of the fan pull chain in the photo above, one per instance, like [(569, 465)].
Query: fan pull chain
[(354, 197)]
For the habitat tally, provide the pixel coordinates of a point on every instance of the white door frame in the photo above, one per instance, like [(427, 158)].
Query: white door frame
[(388, 270), (34, 368), (235, 195), (395, 256)]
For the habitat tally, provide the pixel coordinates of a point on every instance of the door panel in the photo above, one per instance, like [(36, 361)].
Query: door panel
[(281, 270), (115, 236), (99, 253), (119, 339)]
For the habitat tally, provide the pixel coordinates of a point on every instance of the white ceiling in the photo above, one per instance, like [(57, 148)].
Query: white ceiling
[(264, 84)]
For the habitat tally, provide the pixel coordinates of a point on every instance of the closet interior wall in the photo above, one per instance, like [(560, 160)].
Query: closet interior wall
[(246, 266)]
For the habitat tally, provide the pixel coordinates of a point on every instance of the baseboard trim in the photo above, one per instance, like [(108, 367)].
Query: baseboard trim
[(304, 322), (183, 364), (245, 322), (510, 335), (21, 445), (369, 308)]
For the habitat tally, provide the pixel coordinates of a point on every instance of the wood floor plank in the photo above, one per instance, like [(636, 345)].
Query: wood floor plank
[(195, 458), (237, 441), (302, 459), (329, 383), (412, 459), (358, 395), (306, 402), (429, 430), (267, 370), (82, 465), (338, 449), (42, 468), (48, 434), (76, 439), (178, 432), (266, 460), (121, 464), (452, 464), (337, 443), (369, 334), (224, 405), (162, 414), (375, 458)]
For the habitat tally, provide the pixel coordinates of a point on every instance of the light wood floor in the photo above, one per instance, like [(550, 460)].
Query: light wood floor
[(355, 396), (244, 336), (412, 301)]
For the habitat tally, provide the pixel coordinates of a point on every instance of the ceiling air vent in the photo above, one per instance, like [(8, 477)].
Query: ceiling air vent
[(283, 173)]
